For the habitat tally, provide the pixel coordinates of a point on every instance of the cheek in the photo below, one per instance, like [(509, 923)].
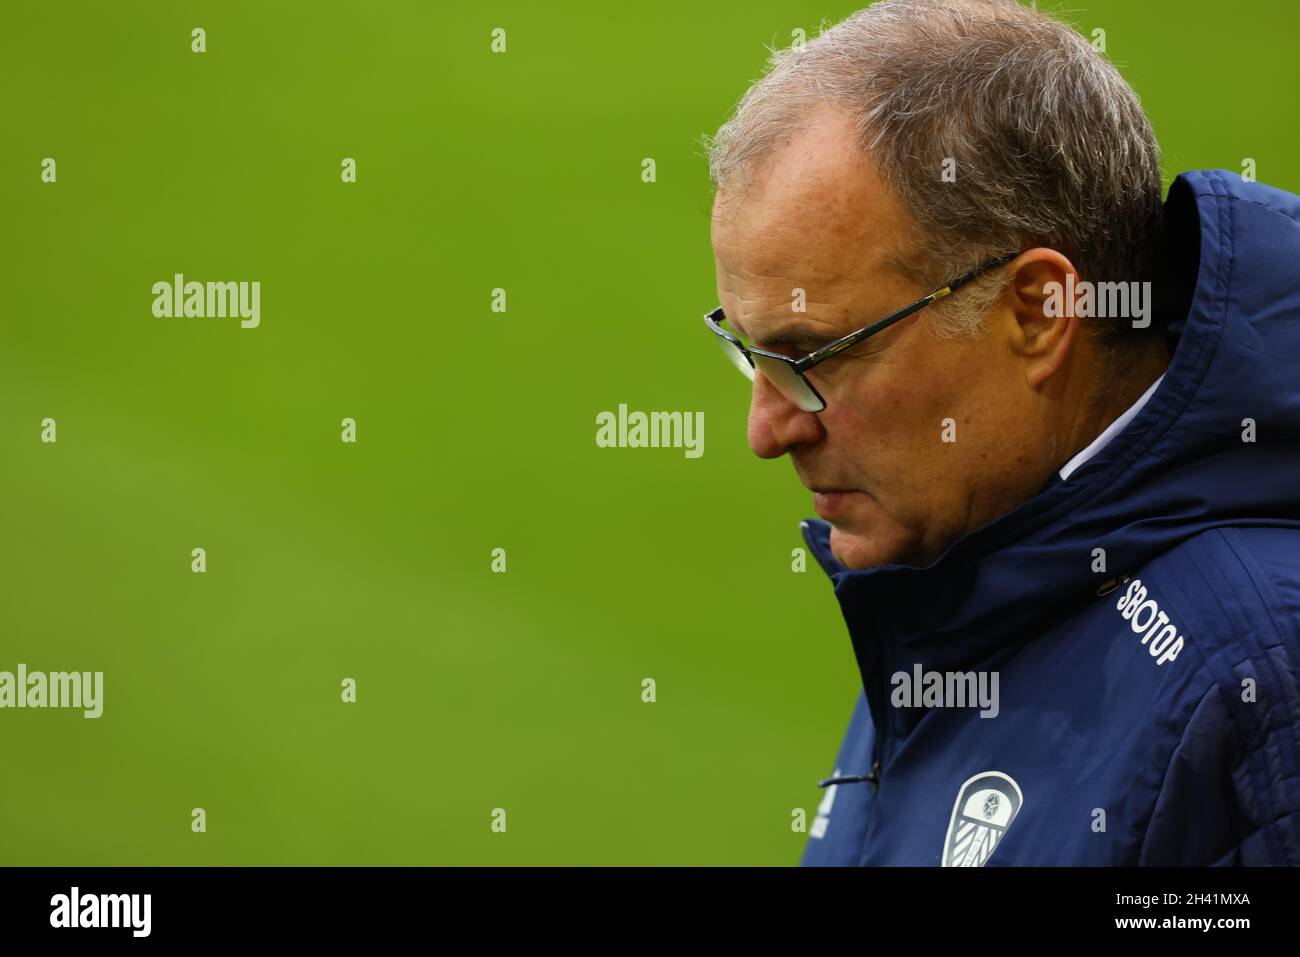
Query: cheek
[(909, 433), (941, 400), (897, 413)]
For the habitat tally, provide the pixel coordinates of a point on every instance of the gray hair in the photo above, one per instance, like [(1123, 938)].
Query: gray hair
[(1050, 144)]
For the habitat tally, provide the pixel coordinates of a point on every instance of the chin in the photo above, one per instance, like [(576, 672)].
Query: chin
[(858, 551)]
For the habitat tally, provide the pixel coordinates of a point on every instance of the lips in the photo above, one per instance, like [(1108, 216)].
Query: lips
[(831, 501)]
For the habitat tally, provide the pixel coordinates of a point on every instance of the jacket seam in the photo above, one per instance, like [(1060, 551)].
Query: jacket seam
[(1253, 735), (1173, 756), (1219, 861), (1270, 726), (1252, 202), (1259, 807)]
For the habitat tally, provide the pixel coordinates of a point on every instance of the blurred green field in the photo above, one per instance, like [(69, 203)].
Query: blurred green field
[(475, 429)]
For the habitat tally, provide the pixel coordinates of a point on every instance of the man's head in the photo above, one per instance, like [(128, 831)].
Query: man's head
[(910, 144)]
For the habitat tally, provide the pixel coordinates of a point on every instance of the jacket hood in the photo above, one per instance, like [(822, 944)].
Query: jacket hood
[(1231, 298)]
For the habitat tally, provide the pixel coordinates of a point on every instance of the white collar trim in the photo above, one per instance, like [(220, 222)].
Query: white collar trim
[(1111, 431)]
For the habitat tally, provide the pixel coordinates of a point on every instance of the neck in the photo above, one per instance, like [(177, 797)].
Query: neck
[(1112, 398)]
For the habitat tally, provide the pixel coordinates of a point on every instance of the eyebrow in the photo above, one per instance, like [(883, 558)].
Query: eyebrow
[(796, 335)]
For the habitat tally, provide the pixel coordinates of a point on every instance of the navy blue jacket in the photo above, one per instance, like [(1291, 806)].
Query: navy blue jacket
[(1147, 712)]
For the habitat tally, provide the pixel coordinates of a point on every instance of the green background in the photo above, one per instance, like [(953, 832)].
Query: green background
[(475, 429)]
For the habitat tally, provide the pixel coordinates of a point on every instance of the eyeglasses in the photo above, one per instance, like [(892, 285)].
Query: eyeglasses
[(787, 374)]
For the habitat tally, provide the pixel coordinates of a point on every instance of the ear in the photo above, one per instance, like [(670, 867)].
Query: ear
[(1039, 305)]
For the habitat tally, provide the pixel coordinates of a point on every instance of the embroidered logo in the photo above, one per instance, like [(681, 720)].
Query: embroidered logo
[(986, 805)]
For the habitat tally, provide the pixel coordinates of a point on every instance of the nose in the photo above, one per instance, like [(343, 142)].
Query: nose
[(776, 423)]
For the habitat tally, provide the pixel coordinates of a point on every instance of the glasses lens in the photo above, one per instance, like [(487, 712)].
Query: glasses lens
[(792, 385), (737, 357)]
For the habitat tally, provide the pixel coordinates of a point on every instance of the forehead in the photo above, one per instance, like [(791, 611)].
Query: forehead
[(815, 211)]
